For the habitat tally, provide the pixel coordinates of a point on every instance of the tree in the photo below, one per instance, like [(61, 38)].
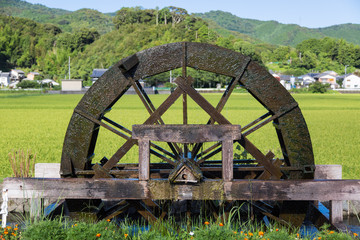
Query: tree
[(177, 14), (318, 87)]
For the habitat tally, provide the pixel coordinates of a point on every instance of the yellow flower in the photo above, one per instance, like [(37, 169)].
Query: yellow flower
[(251, 234), (277, 230), (261, 233), (355, 234), (331, 232), (298, 235), (108, 220), (319, 238), (246, 239), (15, 229), (98, 235), (221, 224), (126, 235), (206, 223), (235, 232), (14, 234), (75, 224), (241, 232), (6, 232)]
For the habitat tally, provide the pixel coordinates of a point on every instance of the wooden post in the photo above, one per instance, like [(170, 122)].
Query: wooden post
[(336, 212), (227, 160), (331, 172), (144, 160)]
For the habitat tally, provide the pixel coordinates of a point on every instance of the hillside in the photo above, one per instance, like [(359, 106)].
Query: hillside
[(36, 12), (68, 21), (282, 34), (46, 47), (84, 18)]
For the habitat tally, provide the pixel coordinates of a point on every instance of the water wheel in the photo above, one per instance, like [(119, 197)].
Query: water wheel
[(184, 160)]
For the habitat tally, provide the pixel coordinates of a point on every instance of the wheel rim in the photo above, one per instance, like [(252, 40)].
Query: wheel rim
[(89, 114)]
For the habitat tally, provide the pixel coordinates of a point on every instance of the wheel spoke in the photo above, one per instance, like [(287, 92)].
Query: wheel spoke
[(225, 97), (275, 116), (151, 108), (151, 120), (185, 112), (201, 160)]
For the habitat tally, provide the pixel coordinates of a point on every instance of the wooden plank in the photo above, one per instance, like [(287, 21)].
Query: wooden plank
[(328, 172), (277, 190), (186, 133), (144, 160), (227, 160), (47, 170)]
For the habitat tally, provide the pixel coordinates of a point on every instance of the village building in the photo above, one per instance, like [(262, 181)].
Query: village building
[(32, 75), (328, 77), (71, 85), (4, 79), (97, 73), (307, 79), (352, 81), (17, 75)]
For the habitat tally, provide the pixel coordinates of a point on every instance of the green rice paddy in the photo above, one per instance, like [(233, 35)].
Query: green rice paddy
[(39, 121)]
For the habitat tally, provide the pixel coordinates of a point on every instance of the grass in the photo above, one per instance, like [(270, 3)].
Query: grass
[(63, 228), (38, 122)]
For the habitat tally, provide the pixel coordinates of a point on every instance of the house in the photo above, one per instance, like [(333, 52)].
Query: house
[(49, 82), (307, 79), (17, 75), (328, 78), (32, 75), (4, 79), (352, 81), (97, 73), (277, 77)]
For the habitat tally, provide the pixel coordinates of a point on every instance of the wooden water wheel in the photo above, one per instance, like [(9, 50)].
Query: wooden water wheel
[(185, 163)]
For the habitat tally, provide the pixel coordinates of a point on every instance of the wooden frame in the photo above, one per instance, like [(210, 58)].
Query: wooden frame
[(186, 134)]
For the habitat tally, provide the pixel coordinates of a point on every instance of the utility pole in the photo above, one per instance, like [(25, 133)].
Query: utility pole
[(69, 68)]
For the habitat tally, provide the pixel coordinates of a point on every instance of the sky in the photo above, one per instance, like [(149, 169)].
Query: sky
[(307, 13)]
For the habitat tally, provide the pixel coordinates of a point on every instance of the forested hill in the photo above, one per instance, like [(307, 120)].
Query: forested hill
[(46, 47), (277, 33), (36, 12), (67, 21)]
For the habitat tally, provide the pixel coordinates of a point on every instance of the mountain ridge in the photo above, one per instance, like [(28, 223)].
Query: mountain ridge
[(277, 33)]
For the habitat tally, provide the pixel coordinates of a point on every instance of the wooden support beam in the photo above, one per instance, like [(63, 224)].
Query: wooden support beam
[(144, 160), (336, 212), (277, 190), (227, 160)]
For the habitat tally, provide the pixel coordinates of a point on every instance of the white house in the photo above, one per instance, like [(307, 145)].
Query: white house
[(351, 82), (17, 74), (307, 79), (4, 79)]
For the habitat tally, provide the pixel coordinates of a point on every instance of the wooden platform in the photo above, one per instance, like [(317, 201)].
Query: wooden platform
[(329, 188), (277, 190)]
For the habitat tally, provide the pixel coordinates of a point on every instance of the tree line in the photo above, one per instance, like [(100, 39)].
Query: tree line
[(46, 48)]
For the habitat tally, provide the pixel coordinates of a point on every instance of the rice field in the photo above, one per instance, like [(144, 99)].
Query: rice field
[(39, 121)]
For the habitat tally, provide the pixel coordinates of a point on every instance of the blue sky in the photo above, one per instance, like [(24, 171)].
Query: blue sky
[(308, 13)]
